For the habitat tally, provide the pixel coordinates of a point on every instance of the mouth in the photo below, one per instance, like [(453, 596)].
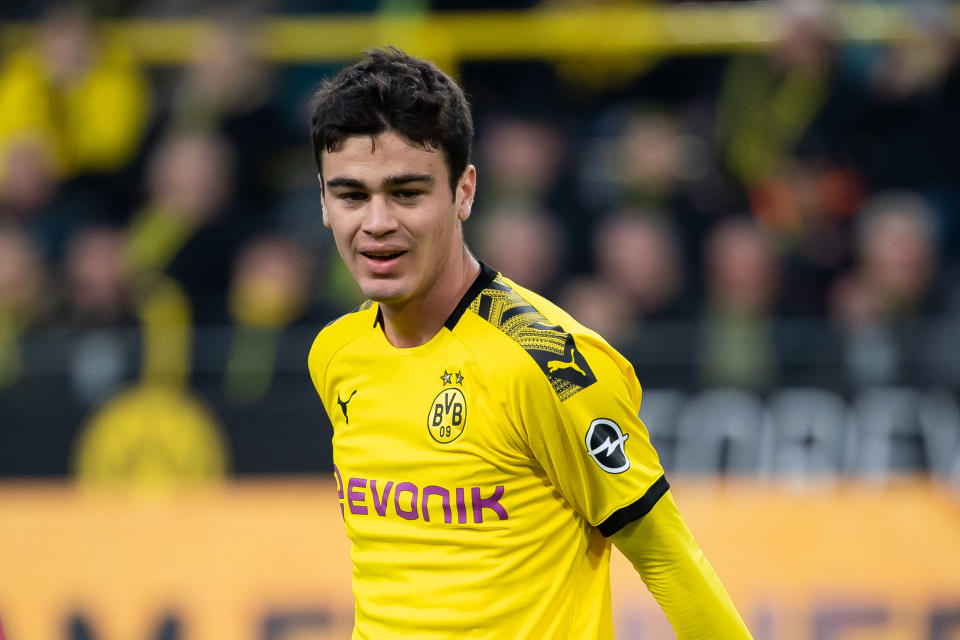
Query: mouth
[(382, 256), (384, 263)]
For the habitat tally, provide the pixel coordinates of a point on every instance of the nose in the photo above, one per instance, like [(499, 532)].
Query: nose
[(379, 219)]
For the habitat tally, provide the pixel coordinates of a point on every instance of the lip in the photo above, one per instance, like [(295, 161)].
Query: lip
[(378, 263)]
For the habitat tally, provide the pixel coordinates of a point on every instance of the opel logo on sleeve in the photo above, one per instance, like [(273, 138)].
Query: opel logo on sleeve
[(605, 445)]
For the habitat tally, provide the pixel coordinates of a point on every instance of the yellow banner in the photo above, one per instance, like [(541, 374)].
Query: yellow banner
[(269, 561)]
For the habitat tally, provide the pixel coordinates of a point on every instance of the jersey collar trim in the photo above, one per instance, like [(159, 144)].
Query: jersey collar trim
[(484, 278)]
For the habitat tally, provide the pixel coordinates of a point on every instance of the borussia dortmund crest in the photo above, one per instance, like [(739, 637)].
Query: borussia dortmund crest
[(448, 412)]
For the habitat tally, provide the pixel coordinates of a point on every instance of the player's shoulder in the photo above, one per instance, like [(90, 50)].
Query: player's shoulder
[(340, 332), (561, 348)]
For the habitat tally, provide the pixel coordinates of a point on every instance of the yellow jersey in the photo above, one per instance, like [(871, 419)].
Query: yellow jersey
[(481, 474)]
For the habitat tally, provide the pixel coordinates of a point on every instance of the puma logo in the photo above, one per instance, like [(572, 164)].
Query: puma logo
[(554, 365), (343, 404)]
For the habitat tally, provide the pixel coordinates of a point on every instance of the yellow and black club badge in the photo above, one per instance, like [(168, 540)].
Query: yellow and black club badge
[(448, 412)]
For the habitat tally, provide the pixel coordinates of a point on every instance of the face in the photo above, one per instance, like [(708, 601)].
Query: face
[(395, 222)]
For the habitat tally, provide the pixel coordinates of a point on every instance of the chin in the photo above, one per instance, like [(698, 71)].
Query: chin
[(386, 292)]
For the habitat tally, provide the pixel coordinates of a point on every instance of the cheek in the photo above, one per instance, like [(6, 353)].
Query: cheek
[(342, 235), (439, 233)]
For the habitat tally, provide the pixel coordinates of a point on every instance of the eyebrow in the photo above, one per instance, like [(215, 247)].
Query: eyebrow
[(409, 177), (390, 181), (344, 182)]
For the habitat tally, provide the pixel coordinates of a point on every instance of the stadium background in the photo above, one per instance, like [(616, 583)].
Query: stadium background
[(756, 202)]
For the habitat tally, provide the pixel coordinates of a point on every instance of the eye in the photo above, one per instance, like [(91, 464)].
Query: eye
[(407, 194), (352, 197)]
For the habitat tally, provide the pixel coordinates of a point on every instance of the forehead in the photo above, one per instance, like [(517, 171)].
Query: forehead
[(372, 158)]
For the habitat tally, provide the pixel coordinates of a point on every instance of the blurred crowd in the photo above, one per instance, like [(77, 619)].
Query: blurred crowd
[(751, 215)]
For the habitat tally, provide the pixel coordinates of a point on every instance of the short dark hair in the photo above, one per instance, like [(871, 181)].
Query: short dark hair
[(388, 89)]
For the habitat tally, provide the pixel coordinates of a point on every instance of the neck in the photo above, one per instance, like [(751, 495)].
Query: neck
[(415, 322)]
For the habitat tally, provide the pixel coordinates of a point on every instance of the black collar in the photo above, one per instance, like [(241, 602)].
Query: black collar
[(484, 278)]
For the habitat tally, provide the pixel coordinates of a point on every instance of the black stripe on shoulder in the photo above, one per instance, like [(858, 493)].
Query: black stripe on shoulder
[(363, 306), (552, 348), (482, 281), (641, 507)]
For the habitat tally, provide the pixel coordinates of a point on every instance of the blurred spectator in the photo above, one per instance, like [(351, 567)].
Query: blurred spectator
[(896, 242), (227, 91), (83, 98), (649, 159), (526, 246), (783, 130), (519, 161), (598, 305), (97, 287), (32, 196), (893, 283), (522, 166), (918, 63), (907, 130), (769, 101), (28, 186), (637, 292), (27, 179), (23, 296), (271, 283), (653, 158), (808, 208), (270, 291), (181, 244), (185, 230), (100, 310), (637, 254), (743, 282)]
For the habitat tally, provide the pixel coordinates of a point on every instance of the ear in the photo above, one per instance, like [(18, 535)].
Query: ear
[(466, 190), (323, 201)]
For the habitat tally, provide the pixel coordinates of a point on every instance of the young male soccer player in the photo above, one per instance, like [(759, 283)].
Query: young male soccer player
[(487, 447)]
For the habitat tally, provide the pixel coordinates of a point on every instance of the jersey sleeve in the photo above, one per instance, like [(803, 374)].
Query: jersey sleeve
[(317, 360), (325, 346), (331, 339), (591, 443), (672, 565)]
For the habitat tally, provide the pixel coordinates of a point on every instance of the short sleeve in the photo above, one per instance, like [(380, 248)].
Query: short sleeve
[(331, 339), (591, 443), (317, 361)]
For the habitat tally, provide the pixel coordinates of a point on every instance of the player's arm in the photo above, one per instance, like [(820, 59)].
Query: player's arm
[(676, 572), (597, 453)]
